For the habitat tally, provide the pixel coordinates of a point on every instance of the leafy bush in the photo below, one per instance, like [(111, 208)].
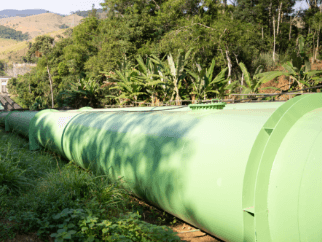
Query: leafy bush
[(12, 178), (65, 201), (80, 225), (266, 60), (63, 26)]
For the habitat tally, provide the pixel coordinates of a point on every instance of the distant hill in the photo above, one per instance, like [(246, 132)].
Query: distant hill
[(41, 23), (21, 13)]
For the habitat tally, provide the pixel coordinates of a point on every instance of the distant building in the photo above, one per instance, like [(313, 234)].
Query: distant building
[(3, 84)]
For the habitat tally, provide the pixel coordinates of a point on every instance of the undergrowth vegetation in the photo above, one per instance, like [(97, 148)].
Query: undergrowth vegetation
[(41, 193)]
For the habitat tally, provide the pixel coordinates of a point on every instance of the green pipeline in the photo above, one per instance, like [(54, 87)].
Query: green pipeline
[(248, 172)]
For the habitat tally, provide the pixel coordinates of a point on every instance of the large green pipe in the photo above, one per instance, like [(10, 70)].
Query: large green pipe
[(190, 164), (19, 121), (47, 127), (249, 172), (149, 139), (3, 115)]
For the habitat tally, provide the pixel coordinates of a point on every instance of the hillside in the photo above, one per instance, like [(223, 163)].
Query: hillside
[(6, 43), (46, 23), (40, 24), (6, 13), (12, 51)]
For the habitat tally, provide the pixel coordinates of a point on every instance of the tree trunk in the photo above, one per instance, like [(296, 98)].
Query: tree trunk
[(152, 104), (29, 85), (313, 49), (176, 91), (193, 98), (279, 18), (172, 96), (282, 15), (225, 5), (229, 65), (274, 39), (177, 97), (262, 32), (318, 38), (289, 34), (51, 88), (269, 18), (317, 44)]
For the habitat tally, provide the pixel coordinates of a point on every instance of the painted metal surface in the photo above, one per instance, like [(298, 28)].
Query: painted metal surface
[(18, 121), (260, 172), (249, 172), (3, 115), (189, 163), (47, 128)]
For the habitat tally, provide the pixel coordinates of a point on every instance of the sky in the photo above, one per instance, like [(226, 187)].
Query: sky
[(56, 6), (67, 6)]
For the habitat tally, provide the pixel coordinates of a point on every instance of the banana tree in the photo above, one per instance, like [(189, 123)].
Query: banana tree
[(82, 93), (253, 83), (128, 85), (148, 74), (177, 71), (203, 82), (303, 77), (164, 73)]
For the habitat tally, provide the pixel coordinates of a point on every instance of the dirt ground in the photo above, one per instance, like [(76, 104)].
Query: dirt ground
[(185, 233), (283, 83), (182, 229)]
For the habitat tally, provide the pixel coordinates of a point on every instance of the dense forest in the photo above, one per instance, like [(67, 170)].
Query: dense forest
[(161, 52), (9, 33)]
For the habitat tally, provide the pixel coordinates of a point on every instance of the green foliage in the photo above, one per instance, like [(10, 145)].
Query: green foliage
[(149, 34), (9, 33), (204, 83), (43, 44), (12, 179), (86, 13), (80, 225), (63, 26), (253, 83), (2, 68), (177, 73), (40, 193), (300, 78), (83, 93), (39, 104), (148, 73), (127, 83)]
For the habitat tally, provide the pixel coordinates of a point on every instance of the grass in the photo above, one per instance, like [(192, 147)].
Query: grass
[(15, 47), (44, 195), (4, 43)]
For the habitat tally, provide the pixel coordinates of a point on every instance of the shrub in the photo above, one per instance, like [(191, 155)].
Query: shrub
[(63, 26)]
